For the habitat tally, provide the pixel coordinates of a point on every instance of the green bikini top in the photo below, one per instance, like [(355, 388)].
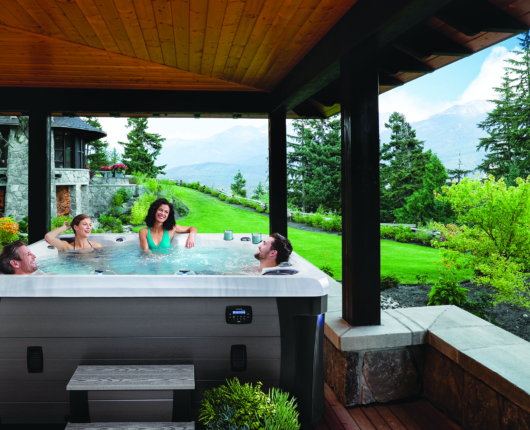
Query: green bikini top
[(165, 243)]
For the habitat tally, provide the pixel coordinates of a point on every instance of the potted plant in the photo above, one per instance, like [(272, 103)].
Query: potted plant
[(107, 171), (119, 170)]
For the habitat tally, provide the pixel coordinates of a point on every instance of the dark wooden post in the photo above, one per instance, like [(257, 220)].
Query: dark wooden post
[(360, 194), (277, 173), (39, 175)]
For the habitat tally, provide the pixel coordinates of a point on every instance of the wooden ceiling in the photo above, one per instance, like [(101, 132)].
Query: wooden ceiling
[(245, 46), (241, 45)]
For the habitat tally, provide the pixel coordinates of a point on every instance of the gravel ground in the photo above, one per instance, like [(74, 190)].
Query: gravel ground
[(509, 317)]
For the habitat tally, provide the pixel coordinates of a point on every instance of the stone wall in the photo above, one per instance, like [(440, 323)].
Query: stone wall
[(17, 176), (100, 196), (77, 181)]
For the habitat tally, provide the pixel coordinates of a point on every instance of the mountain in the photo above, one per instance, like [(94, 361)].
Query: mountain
[(220, 175), (452, 132)]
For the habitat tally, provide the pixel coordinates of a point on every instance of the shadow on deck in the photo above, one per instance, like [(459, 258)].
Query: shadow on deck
[(411, 415)]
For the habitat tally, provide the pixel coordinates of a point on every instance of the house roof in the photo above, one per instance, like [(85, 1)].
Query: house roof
[(92, 133)]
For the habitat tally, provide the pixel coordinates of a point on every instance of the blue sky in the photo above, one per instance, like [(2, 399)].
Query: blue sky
[(462, 82)]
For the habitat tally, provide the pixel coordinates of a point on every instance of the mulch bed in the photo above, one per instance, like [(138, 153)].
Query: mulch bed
[(510, 318)]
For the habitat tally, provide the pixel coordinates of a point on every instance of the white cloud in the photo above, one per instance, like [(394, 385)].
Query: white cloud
[(489, 77)]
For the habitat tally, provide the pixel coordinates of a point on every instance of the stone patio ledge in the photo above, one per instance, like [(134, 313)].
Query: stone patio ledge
[(494, 356)]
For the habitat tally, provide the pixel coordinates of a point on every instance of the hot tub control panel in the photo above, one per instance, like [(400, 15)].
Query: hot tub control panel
[(238, 314)]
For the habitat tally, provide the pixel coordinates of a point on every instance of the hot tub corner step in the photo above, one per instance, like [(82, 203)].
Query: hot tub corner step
[(155, 377), (131, 426)]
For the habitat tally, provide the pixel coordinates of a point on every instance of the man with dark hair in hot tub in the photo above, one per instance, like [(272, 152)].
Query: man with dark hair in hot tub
[(274, 250), (17, 259)]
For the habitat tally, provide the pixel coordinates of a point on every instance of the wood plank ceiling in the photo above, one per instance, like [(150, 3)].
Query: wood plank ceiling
[(235, 45), (222, 45)]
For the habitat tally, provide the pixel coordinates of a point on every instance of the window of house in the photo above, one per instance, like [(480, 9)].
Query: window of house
[(69, 150), (4, 133)]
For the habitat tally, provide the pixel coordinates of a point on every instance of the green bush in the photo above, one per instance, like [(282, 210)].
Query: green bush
[(126, 194), (316, 220), (389, 281), (308, 219), (140, 208), (446, 290), (138, 178), (117, 200), (215, 193), (152, 185), (337, 223), (267, 210), (110, 223), (114, 211), (232, 200), (327, 224), (222, 197), (387, 231), (481, 305), (259, 208), (23, 225), (298, 217), (403, 234), (125, 219), (423, 236), (57, 222), (236, 406)]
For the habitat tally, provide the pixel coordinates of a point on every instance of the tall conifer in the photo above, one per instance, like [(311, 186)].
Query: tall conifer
[(97, 150)]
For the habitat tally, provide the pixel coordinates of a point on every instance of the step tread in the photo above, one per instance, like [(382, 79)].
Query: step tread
[(147, 377), (131, 426)]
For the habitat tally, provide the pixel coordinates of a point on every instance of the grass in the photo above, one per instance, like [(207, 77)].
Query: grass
[(210, 215)]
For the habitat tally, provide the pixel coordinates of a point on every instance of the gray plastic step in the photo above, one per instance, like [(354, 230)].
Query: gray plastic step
[(131, 426)]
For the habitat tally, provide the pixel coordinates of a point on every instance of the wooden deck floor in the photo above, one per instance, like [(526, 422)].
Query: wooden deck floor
[(416, 415)]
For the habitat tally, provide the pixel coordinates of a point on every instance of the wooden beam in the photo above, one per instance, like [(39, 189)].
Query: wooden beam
[(367, 27), (39, 174), (132, 101), (361, 265), (278, 173), (307, 109), (472, 17), (393, 61), (423, 41), (386, 80)]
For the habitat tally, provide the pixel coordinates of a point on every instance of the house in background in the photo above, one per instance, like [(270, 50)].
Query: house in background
[(70, 177)]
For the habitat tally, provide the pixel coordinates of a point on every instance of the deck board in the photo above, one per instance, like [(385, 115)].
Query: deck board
[(407, 415)]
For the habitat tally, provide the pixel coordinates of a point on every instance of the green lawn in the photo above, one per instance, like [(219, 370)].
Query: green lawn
[(210, 215)]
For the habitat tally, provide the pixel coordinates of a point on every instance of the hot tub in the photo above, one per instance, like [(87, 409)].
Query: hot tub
[(160, 319)]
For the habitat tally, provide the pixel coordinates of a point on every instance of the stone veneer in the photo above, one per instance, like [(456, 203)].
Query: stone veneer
[(477, 373), (16, 200), (77, 180), (100, 195)]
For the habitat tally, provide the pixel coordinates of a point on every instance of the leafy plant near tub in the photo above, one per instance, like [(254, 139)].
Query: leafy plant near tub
[(57, 222), (110, 223), (242, 407), (447, 290), (140, 208), (8, 230)]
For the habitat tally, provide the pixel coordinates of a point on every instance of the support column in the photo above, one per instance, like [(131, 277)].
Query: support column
[(361, 254), (39, 176), (277, 173)]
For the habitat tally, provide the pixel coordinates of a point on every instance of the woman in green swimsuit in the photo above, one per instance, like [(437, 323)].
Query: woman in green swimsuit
[(161, 227)]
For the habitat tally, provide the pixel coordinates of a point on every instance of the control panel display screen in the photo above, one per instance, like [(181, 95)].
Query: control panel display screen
[(238, 314)]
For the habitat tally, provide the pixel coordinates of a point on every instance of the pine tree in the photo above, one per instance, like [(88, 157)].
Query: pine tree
[(508, 124), (238, 187), (114, 156), (97, 150), (259, 192), (142, 149), (314, 165), (456, 175), (402, 165), (421, 206)]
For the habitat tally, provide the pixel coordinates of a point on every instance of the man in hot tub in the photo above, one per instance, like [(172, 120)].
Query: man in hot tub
[(274, 250), (17, 259)]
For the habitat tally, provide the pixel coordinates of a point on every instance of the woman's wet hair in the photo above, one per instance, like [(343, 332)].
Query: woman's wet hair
[(77, 220), (282, 246), (150, 219)]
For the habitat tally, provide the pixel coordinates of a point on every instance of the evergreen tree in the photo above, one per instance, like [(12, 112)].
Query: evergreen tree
[(508, 124), (421, 206), (238, 187), (402, 165), (456, 175), (97, 150), (314, 165), (114, 156), (142, 149), (259, 192)]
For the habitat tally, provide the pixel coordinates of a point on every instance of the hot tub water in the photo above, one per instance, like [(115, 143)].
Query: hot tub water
[(131, 260)]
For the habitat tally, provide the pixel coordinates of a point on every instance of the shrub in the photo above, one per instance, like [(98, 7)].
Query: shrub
[(140, 208), (232, 200), (138, 178), (215, 193), (126, 194), (152, 185), (481, 305), (308, 219), (325, 266), (317, 219), (114, 211), (327, 224), (23, 225), (446, 290), (259, 208), (125, 219), (110, 223), (298, 217), (8, 230), (236, 406), (246, 203), (337, 223), (267, 210), (222, 197), (423, 236), (387, 231), (389, 281), (57, 222), (207, 190), (117, 200), (403, 234)]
